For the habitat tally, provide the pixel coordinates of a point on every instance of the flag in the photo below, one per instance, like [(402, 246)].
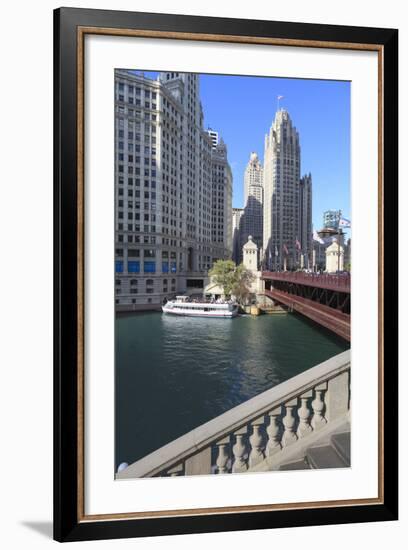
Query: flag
[(280, 96), (317, 238), (285, 249), (297, 244), (343, 222), (276, 251)]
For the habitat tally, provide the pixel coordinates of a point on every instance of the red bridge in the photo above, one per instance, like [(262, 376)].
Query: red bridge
[(324, 299)]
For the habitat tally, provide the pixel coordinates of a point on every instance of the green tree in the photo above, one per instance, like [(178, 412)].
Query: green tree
[(233, 279)]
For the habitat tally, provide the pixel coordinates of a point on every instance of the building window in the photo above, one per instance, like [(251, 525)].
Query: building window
[(149, 267), (165, 267), (119, 266), (133, 266)]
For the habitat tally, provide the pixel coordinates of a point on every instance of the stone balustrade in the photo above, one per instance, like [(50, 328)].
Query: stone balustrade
[(243, 437)]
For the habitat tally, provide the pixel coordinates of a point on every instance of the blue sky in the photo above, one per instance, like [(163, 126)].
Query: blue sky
[(242, 109)]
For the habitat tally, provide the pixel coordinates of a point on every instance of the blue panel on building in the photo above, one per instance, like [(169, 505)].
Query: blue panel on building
[(133, 267), (150, 267), (119, 266)]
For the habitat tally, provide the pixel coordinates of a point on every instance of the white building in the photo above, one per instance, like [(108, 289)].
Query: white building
[(252, 219), (250, 254), (253, 176), (281, 227), (334, 258), (213, 136), (163, 189)]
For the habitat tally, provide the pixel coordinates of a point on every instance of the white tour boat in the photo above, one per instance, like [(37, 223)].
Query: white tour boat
[(181, 306)]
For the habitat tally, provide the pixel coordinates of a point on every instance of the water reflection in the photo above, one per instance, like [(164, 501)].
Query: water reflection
[(174, 373)]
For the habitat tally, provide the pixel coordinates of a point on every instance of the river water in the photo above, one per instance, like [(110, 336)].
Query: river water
[(174, 373)]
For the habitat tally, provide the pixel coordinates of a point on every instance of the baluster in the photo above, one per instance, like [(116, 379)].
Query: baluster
[(318, 406), (239, 451), (257, 442), (289, 421), (273, 431), (175, 471), (305, 415), (223, 455)]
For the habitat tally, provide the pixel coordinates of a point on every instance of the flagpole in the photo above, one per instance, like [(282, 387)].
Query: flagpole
[(338, 249)]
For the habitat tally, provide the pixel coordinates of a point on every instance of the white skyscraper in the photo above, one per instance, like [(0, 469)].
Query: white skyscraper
[(253, 176), (281, 227), (252, 219), (164, 190)]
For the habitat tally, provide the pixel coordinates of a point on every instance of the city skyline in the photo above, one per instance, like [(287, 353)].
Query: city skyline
[(324, 129), (320, 110)]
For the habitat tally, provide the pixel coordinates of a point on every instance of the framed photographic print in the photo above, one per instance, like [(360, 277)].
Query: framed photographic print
[(225, 274)]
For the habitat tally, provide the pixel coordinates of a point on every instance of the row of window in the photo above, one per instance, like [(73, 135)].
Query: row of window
[(147, 253), (134, 266), (137, 90), (149, 282)]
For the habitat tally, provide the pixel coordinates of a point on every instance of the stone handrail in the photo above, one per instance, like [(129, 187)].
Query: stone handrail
[(242, 437)]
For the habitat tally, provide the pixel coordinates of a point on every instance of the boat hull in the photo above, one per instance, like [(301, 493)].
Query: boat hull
[(212, 314)]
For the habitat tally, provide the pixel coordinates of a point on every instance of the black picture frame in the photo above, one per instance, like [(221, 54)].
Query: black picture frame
[(69, 524)]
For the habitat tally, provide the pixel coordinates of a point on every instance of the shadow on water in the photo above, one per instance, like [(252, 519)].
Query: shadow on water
[(174, 373)]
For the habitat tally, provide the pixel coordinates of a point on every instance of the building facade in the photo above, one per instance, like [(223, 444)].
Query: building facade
[(281, 226), (163, 189), (305, 221), (334, 258), (221, 203), (252, 219), (331, 219), (237, 214), (214, 137)]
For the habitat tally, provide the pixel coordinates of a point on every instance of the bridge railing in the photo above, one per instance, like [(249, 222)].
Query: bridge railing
[(244, 436), (335, 281)]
